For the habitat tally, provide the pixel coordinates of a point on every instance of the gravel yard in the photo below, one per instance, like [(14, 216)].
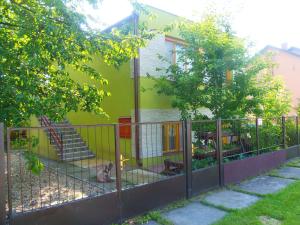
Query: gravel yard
[(50, 188), (62, 182)]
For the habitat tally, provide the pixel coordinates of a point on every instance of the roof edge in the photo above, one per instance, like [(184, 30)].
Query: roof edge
[(277, 49), (119, 23), (134, 13)]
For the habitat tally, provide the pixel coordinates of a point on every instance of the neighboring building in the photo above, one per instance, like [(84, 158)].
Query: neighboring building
[(288, 67), (130, 103)]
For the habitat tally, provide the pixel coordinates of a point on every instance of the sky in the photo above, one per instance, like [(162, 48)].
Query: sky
[(261, 22)]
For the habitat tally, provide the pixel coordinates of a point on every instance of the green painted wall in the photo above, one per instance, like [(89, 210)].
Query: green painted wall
[(156, 161), (150, 99), (43, 148), (161, 20), (120, 85), (100, 139)]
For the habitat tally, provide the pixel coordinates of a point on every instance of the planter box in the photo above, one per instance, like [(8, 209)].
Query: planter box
[(213, 154), (239, 170)]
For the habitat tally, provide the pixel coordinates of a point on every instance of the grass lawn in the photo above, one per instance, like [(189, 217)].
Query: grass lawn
[(282, 208)]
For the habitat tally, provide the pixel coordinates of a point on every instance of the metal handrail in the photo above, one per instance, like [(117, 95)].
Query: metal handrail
[(58, 140)]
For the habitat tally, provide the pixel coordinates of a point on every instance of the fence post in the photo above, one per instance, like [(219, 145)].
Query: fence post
[(2, 177), (9, 181), (118, 167), (257, 134), (220, 153), (283, 132), (188, 156), (297, 132)]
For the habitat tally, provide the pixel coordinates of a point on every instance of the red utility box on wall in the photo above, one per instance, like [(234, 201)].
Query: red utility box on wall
[(125, 127)]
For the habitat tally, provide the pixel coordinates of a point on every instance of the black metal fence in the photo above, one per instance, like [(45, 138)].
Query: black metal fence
[(100, 167)]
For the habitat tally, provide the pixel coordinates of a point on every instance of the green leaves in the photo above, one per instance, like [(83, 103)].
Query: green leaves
[(33, 163), (41, 44), (220, 75)]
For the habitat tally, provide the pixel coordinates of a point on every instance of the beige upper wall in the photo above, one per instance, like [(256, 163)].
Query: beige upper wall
[(288, 67)]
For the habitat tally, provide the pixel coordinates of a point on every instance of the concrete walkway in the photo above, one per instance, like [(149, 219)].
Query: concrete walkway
[(215, 205)]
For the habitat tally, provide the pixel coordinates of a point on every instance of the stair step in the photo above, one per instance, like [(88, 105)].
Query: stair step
[(71, 135), (79, 142), (78, 158), (71, 139), (76, 154), (66, 130), (74, 148), (70, 146), (64, 133), (60, 122)]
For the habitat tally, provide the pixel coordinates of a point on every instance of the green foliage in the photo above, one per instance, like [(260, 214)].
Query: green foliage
[(199, 164), (40, 43), (33, 163), (25, 143), (270, 134), (229, 146), (273, 99), (215, 71), (298, 108), (291, 131), (151, 216), (210, 52)]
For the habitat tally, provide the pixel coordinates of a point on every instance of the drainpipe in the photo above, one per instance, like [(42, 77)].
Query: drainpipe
[(136, 76)]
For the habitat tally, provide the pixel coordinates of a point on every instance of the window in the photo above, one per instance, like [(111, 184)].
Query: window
[(170, 137), (17, 135), (176, 46)]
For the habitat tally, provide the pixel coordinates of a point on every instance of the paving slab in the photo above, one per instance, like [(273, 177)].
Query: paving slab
[(266, 220), (194, 214), (151, 223), (297, 159), (231, 199), (139, 176), (264, 184), (289, 172)]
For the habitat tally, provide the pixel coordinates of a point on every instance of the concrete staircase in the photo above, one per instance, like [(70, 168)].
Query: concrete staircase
[(70, 146)]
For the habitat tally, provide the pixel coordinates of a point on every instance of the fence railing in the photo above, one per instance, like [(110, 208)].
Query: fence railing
[(101, 159), (53, 135)]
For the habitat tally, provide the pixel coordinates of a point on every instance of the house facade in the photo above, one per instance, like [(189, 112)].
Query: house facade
[(133, 99), (287, 66)]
